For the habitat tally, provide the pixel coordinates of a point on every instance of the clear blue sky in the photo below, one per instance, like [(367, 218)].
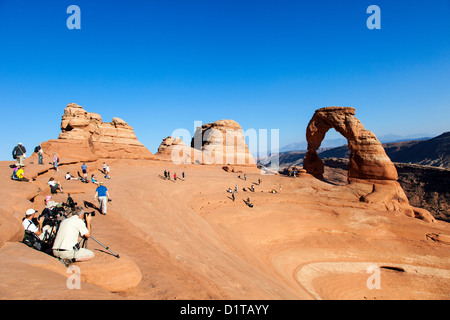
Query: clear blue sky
[(161, 65)]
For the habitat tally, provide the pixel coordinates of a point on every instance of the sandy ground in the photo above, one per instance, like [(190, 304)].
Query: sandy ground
[(187, 239)]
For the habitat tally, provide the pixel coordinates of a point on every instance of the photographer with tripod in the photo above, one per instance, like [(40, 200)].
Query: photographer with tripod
[(66, 246)]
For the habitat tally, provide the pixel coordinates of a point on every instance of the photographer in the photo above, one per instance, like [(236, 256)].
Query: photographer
[(66, 245)]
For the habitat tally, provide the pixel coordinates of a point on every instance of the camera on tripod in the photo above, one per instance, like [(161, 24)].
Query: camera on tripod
[(92, 213)]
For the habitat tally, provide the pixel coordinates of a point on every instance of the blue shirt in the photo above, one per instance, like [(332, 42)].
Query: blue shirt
[(101, 191), (83, 167)]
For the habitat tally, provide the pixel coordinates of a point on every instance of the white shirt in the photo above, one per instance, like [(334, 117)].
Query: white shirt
[(69, 230), (29, 225)]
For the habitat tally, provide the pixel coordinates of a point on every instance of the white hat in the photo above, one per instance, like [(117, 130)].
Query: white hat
[(30, 212), (51, 204)]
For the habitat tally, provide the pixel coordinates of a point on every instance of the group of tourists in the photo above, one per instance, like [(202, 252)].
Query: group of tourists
[(167, 175), (57, 229)]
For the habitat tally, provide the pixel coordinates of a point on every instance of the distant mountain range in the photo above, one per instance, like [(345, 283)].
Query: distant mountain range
[(423, 151), (333, 143)]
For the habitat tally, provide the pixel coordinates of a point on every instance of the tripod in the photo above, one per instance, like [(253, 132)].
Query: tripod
[(84, 245)]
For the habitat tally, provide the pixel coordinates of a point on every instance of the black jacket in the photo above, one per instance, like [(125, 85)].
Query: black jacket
[(18, 151)]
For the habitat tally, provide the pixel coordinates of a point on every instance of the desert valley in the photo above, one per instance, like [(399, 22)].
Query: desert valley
[(303, 237)]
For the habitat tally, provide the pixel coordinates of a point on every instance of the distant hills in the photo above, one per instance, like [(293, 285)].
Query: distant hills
[(337, 142), (424, 151)]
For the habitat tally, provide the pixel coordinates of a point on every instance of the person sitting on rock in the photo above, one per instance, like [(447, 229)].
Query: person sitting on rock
[(21, 175), (94, 180), (70, 177), (55, 186)]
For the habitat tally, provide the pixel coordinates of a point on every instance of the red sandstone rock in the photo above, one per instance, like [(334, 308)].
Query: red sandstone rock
[(222, 142), (84, 137), (368, 160)]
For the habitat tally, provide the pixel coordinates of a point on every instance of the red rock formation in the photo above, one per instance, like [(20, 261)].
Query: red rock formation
[(84, 137), (177, 151), (222, 142), (368, 163), (368, 160)]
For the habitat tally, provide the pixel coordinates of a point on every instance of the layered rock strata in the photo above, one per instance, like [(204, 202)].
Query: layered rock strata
[(85, 137), (368, 159), (222, 142), (368, 163)]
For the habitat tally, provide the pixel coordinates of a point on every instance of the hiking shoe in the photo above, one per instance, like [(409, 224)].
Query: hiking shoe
[(66, 262)]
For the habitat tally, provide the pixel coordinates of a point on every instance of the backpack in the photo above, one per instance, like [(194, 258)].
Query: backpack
[(14, 175), (32, 240)]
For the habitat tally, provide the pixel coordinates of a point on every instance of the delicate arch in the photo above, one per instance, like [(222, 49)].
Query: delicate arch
[(368, 159)]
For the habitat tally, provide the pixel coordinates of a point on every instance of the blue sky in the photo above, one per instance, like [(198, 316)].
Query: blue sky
[(161, 65)]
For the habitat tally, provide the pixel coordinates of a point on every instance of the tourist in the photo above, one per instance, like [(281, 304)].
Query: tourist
[(40, 154), (84, 170), (66, 246), (70, 177), (21, 175), (55, 162), (103, 197), (55, 186), (18, 153), (29, 225), (94, 180)]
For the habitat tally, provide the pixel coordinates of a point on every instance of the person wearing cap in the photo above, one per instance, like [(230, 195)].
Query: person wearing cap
[(103, 197), (28, 223), (66, 246), (18, 153)]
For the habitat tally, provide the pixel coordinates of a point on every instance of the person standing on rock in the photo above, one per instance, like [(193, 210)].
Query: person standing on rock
[(103, 197), (232, 196), (84, 170), (40, 154), (18, 153), (55, 162)]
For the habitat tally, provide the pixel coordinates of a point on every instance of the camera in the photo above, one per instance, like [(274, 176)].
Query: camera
[(89, 214)]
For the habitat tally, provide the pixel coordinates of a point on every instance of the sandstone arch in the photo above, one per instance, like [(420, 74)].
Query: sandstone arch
[(368, 159)]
